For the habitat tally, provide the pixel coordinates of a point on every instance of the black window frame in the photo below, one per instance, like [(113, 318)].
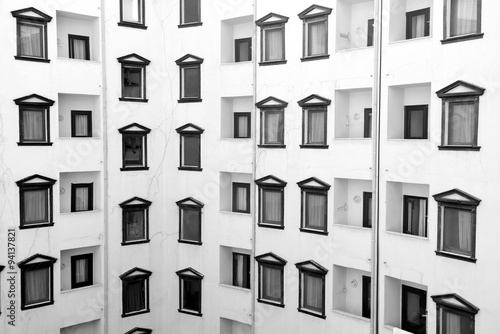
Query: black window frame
[(190, 204), (367, 215), (312, 186), (405, 324), (133, 61), (455, 304), (273, 261), (234, 197), (90, 270), (42, 183), (141, 13), (366, 297), (135, 204), (189, 131), (182, 19), (237, 43), (427, 17), (39, 19), (274, 106), (406, 227), (272, 184), (129, 278), (311, 269), (43, 262), (87, 113), (407, 121), (193, 276), (90, 199), (34, 102), (314, 104), (447, 21), (85, 39), (271, 21), (320, 14), (246, 270), (191, 62), (139, 132), (237, 116)]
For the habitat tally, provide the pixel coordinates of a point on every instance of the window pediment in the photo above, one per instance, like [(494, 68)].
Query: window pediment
[(271, 258), (133, 59), (34, 100), (189, 128), (189, 272), (270, 19), (314, 101), (312, 266), (457, 196), (139, 330), (455, 301), (36, 258), (271, 102), (191, 202), (314, 183), (314, 11), (135, 273), (31, 13), (189, 59), (35, 180), (135, 201), (271, 181), (460, 88), (134, 128)]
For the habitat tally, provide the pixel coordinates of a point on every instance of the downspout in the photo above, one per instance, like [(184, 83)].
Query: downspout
[(376, 97)]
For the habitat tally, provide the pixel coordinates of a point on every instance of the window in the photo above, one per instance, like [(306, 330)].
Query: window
[(271, 201), (135, 221), (135, 292), (314, 124), (462, 20), (243, 49), (272, 122), (133, 78), (415, 122), (369, 32), (134, 147), (242, 125), (190, 13), (417, 23), (34, 120), (271, 279), (272, 39), (190, 220), (460, 116), (37, 277), (241, 197), (367, 209), (312, 288), (190, 78), (82, 197), (414, 310), (314, 207), (81, 123), (241, 270), (190, 147), (457, 224), (31, 34), (139, 330), (132, 14), (82, 270), (190, 291), (415, 215), (315, 36), (79, 47), (35, 201), (366, 297), (455, 315)]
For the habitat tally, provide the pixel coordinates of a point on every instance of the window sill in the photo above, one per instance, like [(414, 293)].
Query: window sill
[(192, 169), (459, 148), (79, 138), (81, 288), (124, 315), (128, 243), (29, 307), (273, 62), (26, 227), (410, 40), (186, 100), (324, 147), (271, 146), (34, 144), (189, 242), (126, 169), (236, 213), (408, 140), (79, 212), (354, 138), (94, 61), (456, 256), (277, 227), (239, 288), (315, 58), (462, 38), (322, 316), (307, 230), (38, 60), (235, 138), (188, 25), (355, 49), (406, 235), (133, 25), (355, 227), (129, 99), (277, 304), (351, 315), (198, 314)]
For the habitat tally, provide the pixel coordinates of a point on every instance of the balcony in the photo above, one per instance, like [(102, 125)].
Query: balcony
[(80, 306), (80, 229), (235, 229), (353, 117), (354, 24), (79, 116), (94, 271), (228, 326), (352, 246), (235, 304), (352, 202), (410, 20), (78, 37)]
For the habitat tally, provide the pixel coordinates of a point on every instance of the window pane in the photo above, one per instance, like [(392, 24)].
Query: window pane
[(273, 44), (241, 270), (133, 150), (463, 17), (457, 231), (79, 49), (316, 38), (416, 216), (35, 206), (190, 228), (315, 211), (81, 125), (417, 124), (81, 271), (82, 199), (36, 284), (272, 207), (242, 126), (31, 40), (134, 225), (191, 151), (313, 293), (240, 201), (135, 299), (454, 323), (367, 123), (191, 87), (273, 127), (131, 11), (418, 26), (316, 127), (191, 11), (271, 283), (461, 123), (132, 82), (34, 125), (191, 293)]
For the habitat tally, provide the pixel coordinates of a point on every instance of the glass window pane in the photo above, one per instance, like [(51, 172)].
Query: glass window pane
[(463, 17), (132, 82), (272, 207), (316, 127), (82, 199), (312, 293), (191, 151), (316, 38), (31, 40), (273, 127), (135, 299), (273, 44), (455, 323), (461, 123), (133, 150), (131, 11), (191, 293), (417, 123), (190, 228), (315, 211), (35, 206), (36, 286), (457, 231), (81, 270), (81, 125), (34, 125), (191, 87), (271, 283), (134, 225), (418, 26), (191, 11)]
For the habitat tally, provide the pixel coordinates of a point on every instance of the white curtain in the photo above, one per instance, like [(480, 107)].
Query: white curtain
[(316, 38), (81, 125), (81, 272), (82, 199), (313, 292), (421, 218), (316, 209), (36, 286), (273, 49), (464, 230), (461, 124), (272, 204), (418, 26), (35, 206), (239, 270), (452, 323), (31, 40), (33, 125), (316, 133), (241, 199), (79, 49), (463, 17), (271, 283), (272, 128), (243, 127), (135, 300), (131, 10)]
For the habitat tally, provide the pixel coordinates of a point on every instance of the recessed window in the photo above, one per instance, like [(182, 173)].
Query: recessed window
[(460, 116), (242, 124), (241, 270), (34, 120), (190, 291), (415, 122), (414, 310), (37, 279), (366, 297), (79, 47), (457, 224), (271, 279), (190, 147), (271, 201), (367, 123), (272, 122), (190, 220), (190, 78), (455, 315), (132, 14), (190, 13), (415, 215), (462, 20), (417, 23), (82, 197), (35, 196), (367, 209), (314, 205), (314, 121), (135, 221), (315, 35), (242, 49), (272, 39), (82, 270), (81, 123), (134, 147), (135, 292), (133, 78), (31, 34), (312, 288), (241, 197)]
